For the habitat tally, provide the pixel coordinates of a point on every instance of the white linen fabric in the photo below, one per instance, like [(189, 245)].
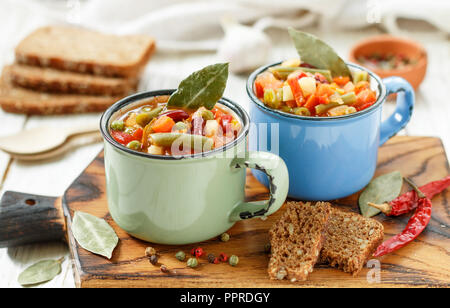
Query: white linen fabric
[(193, 25)]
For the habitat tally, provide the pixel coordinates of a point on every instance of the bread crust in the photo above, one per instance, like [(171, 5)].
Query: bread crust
[(27, 53), (55, 81), (19, 100)]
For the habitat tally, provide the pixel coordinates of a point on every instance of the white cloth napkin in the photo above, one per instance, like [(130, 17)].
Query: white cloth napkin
[(190, 25)]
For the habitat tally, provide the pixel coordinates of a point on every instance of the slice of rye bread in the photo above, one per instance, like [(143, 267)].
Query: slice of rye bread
[(350, 240), (19, 100), (84, 51), (296, 240), (56, 81)]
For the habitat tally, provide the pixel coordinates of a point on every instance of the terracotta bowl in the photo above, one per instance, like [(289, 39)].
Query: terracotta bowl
[(387, 44)]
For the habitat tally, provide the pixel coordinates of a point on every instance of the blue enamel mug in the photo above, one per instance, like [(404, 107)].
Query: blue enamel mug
[(329, 157)]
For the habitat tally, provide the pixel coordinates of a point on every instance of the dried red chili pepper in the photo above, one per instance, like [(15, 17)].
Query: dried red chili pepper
[(416, 224), (410, 200)]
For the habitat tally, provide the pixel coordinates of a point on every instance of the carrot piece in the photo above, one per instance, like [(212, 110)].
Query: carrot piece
[(296, 91), (163, 125), (311, 102), (341, 80)]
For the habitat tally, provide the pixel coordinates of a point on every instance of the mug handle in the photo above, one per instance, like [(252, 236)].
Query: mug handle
[(275, 169), (403, 110)]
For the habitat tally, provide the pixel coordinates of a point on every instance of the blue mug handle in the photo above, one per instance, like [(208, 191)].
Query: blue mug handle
[(403, 110)]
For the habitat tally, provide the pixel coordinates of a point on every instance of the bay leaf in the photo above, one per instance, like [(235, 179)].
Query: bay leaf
[(40, 272), (382, 189), (94, 234), (202, 88), (316, 52)]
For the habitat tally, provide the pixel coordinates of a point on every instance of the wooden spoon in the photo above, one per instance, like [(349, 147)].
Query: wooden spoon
[(71, 143), (42, 139)]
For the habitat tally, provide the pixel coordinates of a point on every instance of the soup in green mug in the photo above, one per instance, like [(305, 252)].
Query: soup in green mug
[(193, 195)]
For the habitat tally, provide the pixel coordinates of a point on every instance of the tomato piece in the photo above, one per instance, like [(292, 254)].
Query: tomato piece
[(365, 97), (322, 99), (291, 103), (226, 122), (341, 80), (362, 85), (324, 89), (122, 137), (163, 125), (264, 81), (137, 135)]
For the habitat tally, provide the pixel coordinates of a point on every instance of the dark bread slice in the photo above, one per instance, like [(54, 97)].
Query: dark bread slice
[(350, 240), (296, 240), (19, 100), (84, 51), (56, 81)]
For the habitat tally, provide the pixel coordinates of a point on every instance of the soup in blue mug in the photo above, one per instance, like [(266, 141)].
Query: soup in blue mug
[(331, 156)]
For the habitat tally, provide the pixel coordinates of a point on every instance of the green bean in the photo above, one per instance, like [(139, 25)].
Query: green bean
[(360, 76), (322, 108), (180, 126), (144, 118), (272, 98), (281, 72), (302, 111), (349, 98), (195, 142), (286, 109)]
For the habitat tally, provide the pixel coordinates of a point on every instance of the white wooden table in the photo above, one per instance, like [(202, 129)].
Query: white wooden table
[(52, 177)]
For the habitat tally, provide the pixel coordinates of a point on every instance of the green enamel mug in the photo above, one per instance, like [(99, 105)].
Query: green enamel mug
[(185, 199)]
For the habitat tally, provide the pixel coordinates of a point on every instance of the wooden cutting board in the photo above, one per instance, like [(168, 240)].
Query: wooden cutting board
[(425, 262)]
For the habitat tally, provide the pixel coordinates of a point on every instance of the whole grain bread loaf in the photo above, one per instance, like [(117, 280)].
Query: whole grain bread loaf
[(296, 240), (350, 240), (19, 100), (85, 51), (56, 81)]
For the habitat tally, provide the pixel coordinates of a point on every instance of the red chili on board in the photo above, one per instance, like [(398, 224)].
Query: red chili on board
[(410, 200), (416, 224), (223, 257)]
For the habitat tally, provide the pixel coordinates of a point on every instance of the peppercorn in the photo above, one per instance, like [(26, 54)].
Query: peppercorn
[(234, 260), (192, 262), (223, 257), (199, 252), (193, 252), (216, 260), (150, 251), (267, 248), (164, 268), (154, 259), (211, 258), (180, 255), (225, 237)]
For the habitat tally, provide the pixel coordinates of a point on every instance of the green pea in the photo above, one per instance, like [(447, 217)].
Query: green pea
[(233, 260), (192, 262), (180, 255), (118, 125), (143, 119), (134, 145), (225, 237)]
